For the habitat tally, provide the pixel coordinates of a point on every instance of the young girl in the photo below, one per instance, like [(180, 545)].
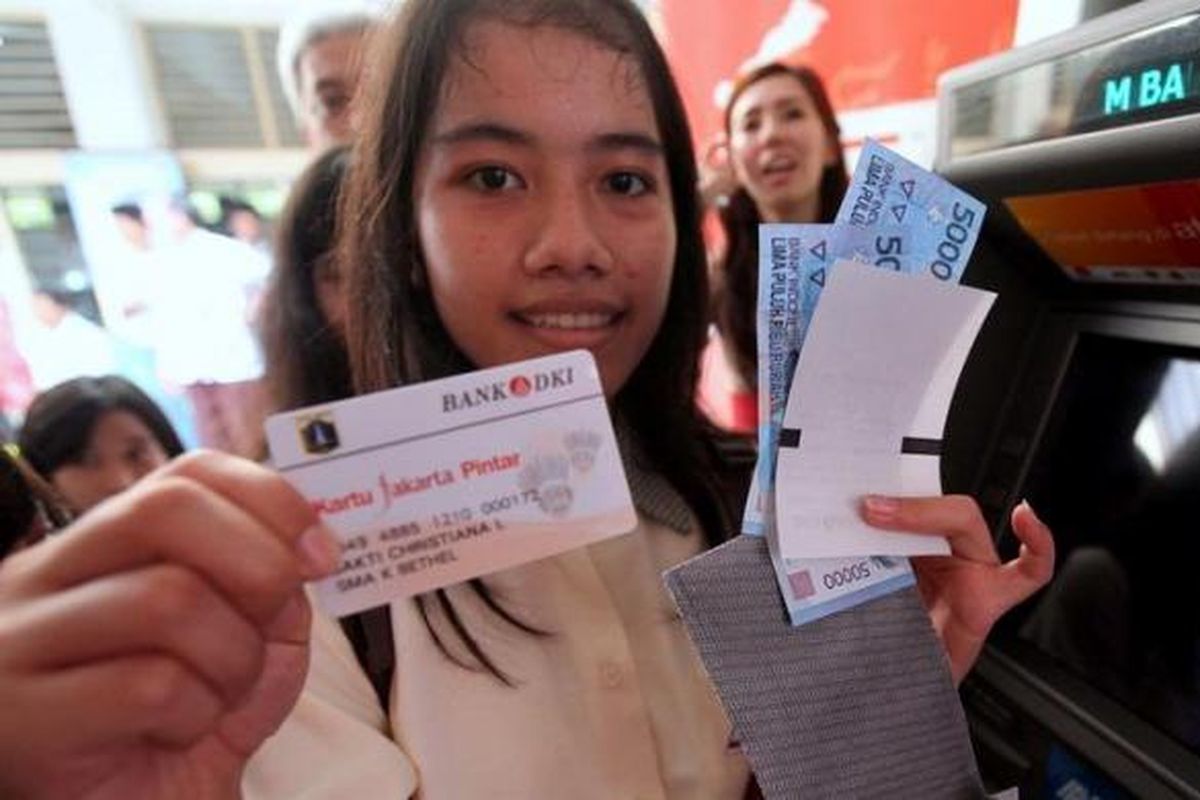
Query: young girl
[(782, 162), (94, 437), (303, 310), (524, 186)]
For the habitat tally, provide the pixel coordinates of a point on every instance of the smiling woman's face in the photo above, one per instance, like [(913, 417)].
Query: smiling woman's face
[(543, 202), (779, 147)]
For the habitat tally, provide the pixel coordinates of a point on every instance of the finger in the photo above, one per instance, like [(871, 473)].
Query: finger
[(177, 521), (1034, 565), (280, 683), (717, 152), (161, 608), (260, 492), (293, 624), (956, 518), (120, 700)]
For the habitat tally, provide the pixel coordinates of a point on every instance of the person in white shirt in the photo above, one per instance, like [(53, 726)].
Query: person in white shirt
[(204, 309), (65, 344)]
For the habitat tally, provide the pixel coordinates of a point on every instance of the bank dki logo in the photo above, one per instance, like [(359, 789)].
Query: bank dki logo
[(317, 432)]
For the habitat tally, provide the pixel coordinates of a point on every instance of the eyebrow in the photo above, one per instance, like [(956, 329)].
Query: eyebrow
[(779, 102), (494, 132), (630, 140), (483, 132)]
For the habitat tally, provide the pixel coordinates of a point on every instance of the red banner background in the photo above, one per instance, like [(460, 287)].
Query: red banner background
[(869, 53)]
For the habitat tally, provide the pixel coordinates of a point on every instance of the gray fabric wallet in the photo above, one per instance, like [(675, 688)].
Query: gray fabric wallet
[(858, 704)]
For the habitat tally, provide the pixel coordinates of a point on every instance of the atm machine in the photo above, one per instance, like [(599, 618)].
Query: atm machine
[(1082, 395)]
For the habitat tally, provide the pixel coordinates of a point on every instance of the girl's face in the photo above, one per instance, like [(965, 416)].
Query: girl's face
[(331, 293), (779, 147), (543, 201), (120, 452)]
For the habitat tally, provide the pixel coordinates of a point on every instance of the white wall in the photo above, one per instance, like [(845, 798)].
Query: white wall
[(1037, 19), (107, 80)]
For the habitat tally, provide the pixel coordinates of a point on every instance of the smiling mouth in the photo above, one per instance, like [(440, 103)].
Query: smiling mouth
[(570, 330), (569, 321), (779, 165)]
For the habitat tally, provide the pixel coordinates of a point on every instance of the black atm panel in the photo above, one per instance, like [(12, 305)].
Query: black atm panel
[(1082, 394)]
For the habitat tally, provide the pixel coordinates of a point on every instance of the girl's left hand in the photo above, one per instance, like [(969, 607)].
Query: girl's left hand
[(967, 591)]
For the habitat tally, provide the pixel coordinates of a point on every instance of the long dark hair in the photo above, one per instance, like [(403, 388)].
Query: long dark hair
[(736, 300), (306, 358), (394, 333), (60, 420), (29, 506)]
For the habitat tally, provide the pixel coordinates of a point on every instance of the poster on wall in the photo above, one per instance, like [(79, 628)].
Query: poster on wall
[(121, 205), (118, 202), (880, 60)]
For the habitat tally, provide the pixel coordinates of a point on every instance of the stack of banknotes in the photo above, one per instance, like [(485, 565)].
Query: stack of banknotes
[(895, 216)]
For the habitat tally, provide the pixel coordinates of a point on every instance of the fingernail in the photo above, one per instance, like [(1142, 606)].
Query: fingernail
[(319, 551), (881, 507)]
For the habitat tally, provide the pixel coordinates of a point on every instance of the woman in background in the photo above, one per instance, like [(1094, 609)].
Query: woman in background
[(782, 163), (92, 438), (303, 311), (304, 339)]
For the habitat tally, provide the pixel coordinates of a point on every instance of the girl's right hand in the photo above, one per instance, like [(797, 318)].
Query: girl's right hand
[(151, 647)]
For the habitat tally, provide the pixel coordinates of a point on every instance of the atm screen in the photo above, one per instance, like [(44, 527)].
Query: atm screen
[(1116, 474), (1145, 75)]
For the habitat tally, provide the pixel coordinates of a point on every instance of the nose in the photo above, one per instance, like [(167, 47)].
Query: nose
[(771, 129), (117, 479), (569, 238)]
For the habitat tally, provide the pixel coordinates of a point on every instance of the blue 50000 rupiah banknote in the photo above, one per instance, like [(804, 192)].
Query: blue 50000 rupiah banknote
[(907, 220), (887, 189), (894, 215), (789, 282)]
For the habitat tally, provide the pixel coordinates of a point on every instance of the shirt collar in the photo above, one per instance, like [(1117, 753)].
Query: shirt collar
[(653, 495)]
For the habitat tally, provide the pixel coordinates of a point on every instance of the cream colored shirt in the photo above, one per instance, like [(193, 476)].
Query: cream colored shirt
[(613, 703)]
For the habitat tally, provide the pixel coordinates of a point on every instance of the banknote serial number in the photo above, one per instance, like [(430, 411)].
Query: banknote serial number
[(847, 575)]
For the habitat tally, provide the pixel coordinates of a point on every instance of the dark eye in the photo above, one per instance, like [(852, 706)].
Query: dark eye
[(628, 183), (137, 452), (334, 103), (494, 179)]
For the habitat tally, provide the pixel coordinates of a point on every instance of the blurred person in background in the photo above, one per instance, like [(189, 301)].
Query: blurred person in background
[(209, 288), (319, 59), (137, 274), (780, 160), (92, 438), (241, 221), (65, 344), (133, 285), (304, 339), (303, 311)]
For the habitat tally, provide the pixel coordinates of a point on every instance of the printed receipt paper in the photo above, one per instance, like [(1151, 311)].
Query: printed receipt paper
[(436, 483), (867, 406)]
